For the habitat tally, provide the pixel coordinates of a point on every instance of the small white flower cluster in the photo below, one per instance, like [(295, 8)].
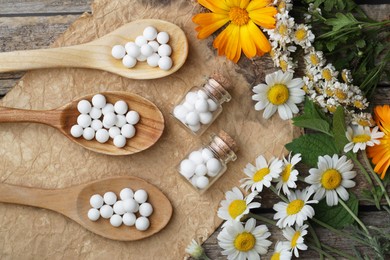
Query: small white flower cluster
[(321, 82)]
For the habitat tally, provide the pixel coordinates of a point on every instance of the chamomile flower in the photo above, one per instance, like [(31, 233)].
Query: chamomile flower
[(282, 32), (195, 250), (296, 210), (283, 5), (329, 73), (262, 174), (244, 242), (314, 58), (359, 102), (235, 206), (363, 119), (289, 175), (359, 137), (346, 76), (280, 93), (295, 238), (303, 36), (331, 178), (282, 251)]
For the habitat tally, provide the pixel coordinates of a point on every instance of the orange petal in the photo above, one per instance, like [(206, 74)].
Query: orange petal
[(261, 42), (247, 44), (244, 4), (221, 41), (257, 4), (233, 47), (216, 6), (264, 17), (209, 23)]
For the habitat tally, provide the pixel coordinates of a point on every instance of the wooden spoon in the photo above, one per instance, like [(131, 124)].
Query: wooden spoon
[(148, 130), (97, 54), (73, 202)]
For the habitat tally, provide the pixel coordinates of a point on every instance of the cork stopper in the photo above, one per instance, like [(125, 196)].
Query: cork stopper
[(229, 141), (222, 80), (217, 86), (224, 146)]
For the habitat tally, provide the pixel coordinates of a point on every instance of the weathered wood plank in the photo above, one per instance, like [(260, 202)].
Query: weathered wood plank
[(23, 7)]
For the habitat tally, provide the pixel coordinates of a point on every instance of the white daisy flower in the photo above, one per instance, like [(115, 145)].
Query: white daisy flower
[(280, 93), (262, 174), (363, 119), (296, 210), (329, 73), (303, 36), (314, 58), (359, 137), (295, 238), (282, 251), (236, 206), (346, 75), (195, 250), (331, 178), (289, 175), (242, 243)]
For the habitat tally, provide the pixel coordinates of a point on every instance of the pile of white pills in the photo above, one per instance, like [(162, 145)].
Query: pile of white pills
[(152, 46), (199, 167), (131, 209), (196, 110), (102, 120)]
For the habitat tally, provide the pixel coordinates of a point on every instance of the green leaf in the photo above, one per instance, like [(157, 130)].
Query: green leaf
[(331, 45), (314, 124), (339, 129), (337, 216), (311, 146), (341, 21)]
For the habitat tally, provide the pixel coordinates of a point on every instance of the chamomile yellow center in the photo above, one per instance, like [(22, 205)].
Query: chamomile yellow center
[(364, 122), (331, 108), (278, 94), (295, 206), (327, 74), (306, 89), (314, 59), (358, 104), (283, 30), (295, 238), (260, 174), (345, 77), (275, 256), (331, 179), (286, 172), (281, 6), (340, 94), (244, 242), (238, 16), (283, 65), (361, 138), (236, 208), (300, 34)]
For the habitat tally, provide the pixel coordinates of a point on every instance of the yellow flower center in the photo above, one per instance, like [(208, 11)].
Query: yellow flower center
[(259, 175), (294, 207), (306, 89), (300, 34), (358, 104), (283, 65), (331, 179), (329, 92), (238, 16), (286, 172), (364, 122), (331, 108), (278, 94), (314, 59), (326, 74), (236, 208), (275, 256), (344, 77), (295, 238), (340, 94), (283, 30), (281, 6), (244, 242), (361, 138)]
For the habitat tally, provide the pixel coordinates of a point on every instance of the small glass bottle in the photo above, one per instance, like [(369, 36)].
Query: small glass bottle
[(202, 105), (202, 167)]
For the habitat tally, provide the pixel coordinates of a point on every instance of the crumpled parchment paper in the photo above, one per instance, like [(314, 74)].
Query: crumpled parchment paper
[(40, 156)]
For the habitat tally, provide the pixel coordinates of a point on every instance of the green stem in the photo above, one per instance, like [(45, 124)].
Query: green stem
[(316, 240), (339, 252), (261, 218), (278, 194), (353, 215), (320, 251)]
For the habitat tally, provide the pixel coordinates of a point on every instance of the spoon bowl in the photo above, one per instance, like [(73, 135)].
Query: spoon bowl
[(97, 53), (73, 202), (148, 130)]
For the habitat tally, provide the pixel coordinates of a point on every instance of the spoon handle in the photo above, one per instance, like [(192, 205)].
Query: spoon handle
[(48, 117)]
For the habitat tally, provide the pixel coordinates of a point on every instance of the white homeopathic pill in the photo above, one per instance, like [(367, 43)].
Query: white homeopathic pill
[(142, 223), (196, 157), (165, 63), (212, 105), (114, 131), (109, 198), (132, 49), (106, 211), (128, 131), (99, 101), (102, 136), (147, 50), (120, 120), (120, 107), (76, 131), (163, 37), (164, 50), (132, 117), (130, 205), (153, 59), (95, 113), (145, 209), (96, 124), (202, 94), (88, 133), (192, 118), (93, 214), (108, 108), (190, 107), (140, 40), (194, 128), (129, 61), (213, 165), (118, 52), (84, 120), (141, 58), (187, 168), (201, 170), (84, 106), (119, 208), (207, 154), (191, 97), (140, 196), (119, 141), (129, 219), (116, 220), (202, 182), (150, 33), (126, 193), (96, 201), (154, 45), (180, 112), (201, 105), (205, 118), (109, 119)]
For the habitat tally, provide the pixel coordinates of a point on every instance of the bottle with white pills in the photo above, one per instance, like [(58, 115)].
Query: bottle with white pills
[(200, 106), (203, 166)]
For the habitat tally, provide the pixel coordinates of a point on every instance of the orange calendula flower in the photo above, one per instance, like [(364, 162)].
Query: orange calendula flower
[(242, 32), (380, 153)]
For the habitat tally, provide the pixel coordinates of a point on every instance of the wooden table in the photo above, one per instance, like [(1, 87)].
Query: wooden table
[(33, 24)]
